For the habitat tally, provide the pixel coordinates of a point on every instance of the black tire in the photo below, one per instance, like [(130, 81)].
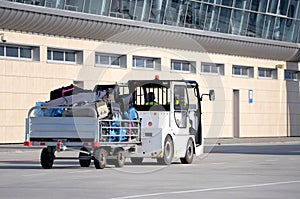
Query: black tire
[(47, 158), (100, 157), (189, 153), (84, 159), (136, 160), (120, 161), (168, 152)]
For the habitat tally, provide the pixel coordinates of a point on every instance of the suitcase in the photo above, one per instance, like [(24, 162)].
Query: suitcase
[(66, 91)]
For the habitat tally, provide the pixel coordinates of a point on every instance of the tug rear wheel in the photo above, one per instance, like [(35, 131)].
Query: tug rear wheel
[(84, 158), (189, 154)]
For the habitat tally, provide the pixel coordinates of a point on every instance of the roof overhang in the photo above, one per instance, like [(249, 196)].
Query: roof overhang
[(28, 18)]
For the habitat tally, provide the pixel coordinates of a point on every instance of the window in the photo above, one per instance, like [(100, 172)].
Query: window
[(267, 73), (243, 71), (183, 66), (66, 56), (19, 52), (291, 75), (112, 60), (212, 68), (1, 50), (146, 62)]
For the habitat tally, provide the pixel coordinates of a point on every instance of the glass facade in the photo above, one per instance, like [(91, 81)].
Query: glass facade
[(267, 19)]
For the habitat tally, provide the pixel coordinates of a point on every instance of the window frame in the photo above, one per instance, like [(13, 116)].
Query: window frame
[(242, 70), (293, 73), (265, 70), (182, 62), (155, 62), (64, 52), (110, 60), (19, 49), (211, 65)]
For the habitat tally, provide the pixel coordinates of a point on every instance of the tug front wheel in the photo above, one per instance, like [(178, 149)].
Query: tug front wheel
[(168, 152)]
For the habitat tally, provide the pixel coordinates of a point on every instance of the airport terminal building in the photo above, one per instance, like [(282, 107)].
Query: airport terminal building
[(247, 50)]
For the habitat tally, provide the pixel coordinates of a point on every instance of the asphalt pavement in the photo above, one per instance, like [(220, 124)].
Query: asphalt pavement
[(209, 142), (234, 168)]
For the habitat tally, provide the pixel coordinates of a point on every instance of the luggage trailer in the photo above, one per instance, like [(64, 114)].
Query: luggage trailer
[(88, 135)]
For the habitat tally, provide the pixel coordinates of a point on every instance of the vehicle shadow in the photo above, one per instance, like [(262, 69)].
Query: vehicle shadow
[(291, 149), (35, 164)]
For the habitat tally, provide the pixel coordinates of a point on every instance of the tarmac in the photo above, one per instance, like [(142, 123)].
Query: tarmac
[(18, 147)]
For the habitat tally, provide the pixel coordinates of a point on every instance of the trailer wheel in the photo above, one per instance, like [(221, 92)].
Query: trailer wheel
[(136, 160), (84, 159), (47, 158), (120, 161), (100, 157), (189, 154), (168, 152)]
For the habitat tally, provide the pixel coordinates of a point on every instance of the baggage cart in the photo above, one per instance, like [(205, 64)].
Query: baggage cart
[(105, 141)]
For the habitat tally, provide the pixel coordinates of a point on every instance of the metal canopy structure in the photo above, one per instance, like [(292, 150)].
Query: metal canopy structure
[(27, 18)]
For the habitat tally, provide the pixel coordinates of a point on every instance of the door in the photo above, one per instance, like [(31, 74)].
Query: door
[(236, 113), (180, 105), (179, 109)]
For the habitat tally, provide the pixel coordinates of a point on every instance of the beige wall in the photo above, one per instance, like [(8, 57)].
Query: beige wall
[(274, 112)]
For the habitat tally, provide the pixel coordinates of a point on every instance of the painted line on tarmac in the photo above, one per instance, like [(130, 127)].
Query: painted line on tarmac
[(209, 189), (85, 171), (34, 174)]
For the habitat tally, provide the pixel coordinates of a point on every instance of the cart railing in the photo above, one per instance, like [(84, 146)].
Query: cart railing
[(120, 131)]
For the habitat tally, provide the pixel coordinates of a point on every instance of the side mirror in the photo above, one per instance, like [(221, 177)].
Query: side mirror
[(212, 96)]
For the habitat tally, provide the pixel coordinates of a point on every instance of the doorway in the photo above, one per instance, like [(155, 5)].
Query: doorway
[(236, 113)]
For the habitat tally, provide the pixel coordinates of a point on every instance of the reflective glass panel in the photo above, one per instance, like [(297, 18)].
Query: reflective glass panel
[(104, 59), (211, 18), (245, 71), (142, 10), (262, 5), (139, 62), (176, 66), (255, 5), (227, 2), (206, 68), (1, 50), (261, 72), (70, 56), (251, 30), (25, 52), (214, 69), (92, 6), (273, 5), (49, 55), (58, 55), (224, 20), (236, 21), (149, 63), (12, 51), (185, 66), (283, 6), (115, 60), (244, 4), (157, 11)]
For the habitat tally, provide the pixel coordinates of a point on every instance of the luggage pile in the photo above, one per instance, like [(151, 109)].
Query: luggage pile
[(72, 101)]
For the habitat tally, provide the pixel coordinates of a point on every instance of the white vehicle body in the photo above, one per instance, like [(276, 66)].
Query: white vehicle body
[(168, 130)]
